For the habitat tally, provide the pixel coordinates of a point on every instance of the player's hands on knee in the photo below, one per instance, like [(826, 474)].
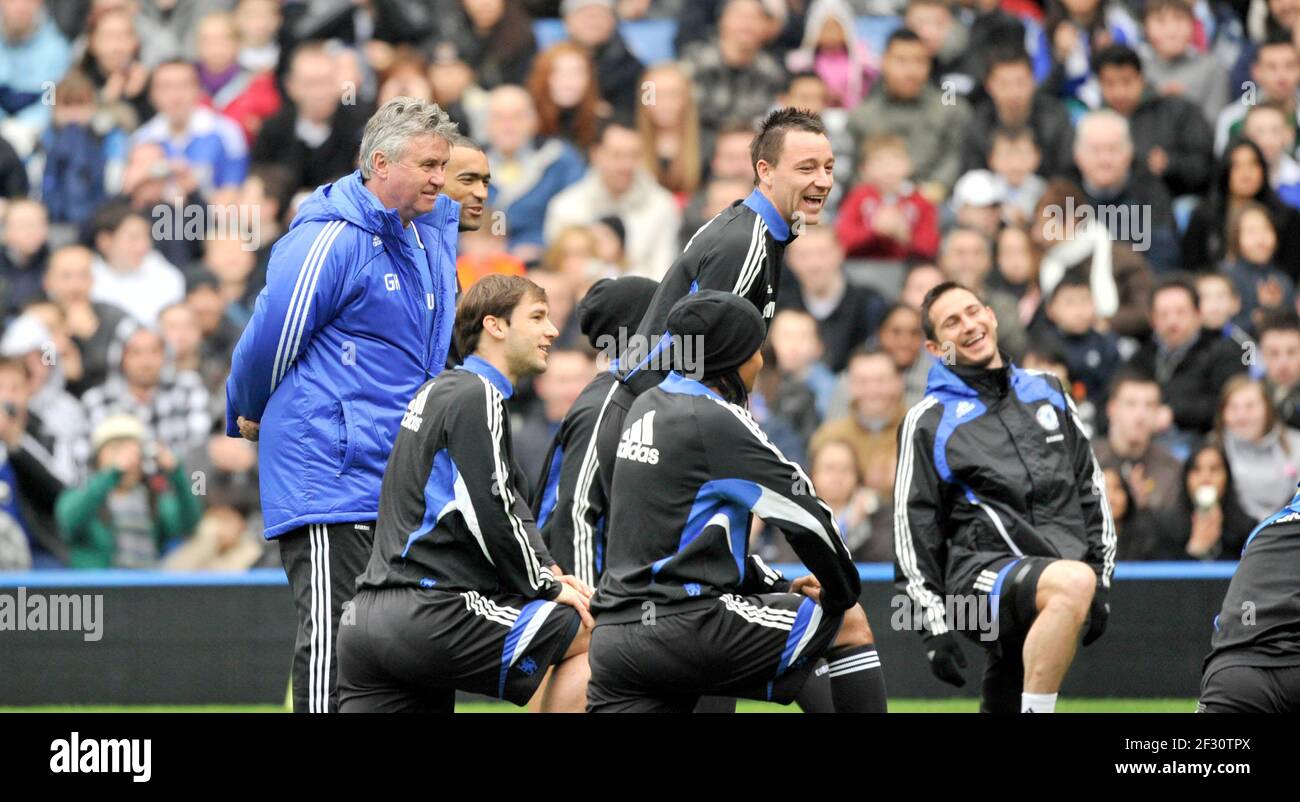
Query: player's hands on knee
[(946, 658), (1098, 614), (248, 429), (586, 590), (571, 597), (808, 586)]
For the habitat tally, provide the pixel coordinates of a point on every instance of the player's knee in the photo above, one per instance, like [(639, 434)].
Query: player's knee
[(581, 642), (854, 629), (1073, 586)]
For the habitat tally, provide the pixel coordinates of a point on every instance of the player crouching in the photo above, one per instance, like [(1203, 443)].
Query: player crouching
[(682, 609), (460, 593)]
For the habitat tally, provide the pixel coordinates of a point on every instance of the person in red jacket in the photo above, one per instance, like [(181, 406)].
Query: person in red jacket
[(885, 216), (244, 96)]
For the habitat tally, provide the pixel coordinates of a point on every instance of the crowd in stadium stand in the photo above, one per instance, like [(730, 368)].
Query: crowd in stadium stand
[(1118, 179)]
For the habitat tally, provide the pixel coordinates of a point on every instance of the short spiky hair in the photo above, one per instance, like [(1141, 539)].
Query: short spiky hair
[(770, 140)]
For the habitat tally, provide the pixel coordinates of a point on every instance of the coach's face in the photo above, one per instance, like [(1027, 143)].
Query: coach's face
[(969, 326), (529, 338), (802, 177), (415, 179), (468, 177)]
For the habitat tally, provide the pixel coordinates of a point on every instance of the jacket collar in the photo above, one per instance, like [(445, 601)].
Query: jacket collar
[(943, 381), (771, 217), (675, 382), (479, 365)]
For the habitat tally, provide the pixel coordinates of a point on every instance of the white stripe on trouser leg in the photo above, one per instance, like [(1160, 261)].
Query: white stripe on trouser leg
[(311, 660), (326, 685), (858, 662), (530, 631)]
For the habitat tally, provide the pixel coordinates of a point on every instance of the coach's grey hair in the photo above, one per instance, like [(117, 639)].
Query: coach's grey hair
[(396, 122)]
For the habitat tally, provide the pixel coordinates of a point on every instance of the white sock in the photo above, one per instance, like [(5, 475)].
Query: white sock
[(1037, 703)]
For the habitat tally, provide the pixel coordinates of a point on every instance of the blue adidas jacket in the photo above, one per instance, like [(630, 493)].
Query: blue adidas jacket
[(349, 326)]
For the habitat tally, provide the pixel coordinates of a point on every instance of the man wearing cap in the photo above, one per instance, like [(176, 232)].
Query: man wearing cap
[(1002, 530), (683, 609), (570, 504)]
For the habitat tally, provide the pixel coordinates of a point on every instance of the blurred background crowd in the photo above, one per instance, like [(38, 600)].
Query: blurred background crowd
[(1118, 178)]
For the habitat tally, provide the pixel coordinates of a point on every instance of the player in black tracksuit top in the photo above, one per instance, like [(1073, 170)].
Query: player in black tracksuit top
[(996, 482), (570, 500), (460, 592), (1254, 666), (740, 251), (683, 609)]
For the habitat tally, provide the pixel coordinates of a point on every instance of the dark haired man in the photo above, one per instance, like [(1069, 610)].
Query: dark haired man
[(739, 251), (692, 467), (460, 593), (1020, 565), (468, 179), (1013, 102)]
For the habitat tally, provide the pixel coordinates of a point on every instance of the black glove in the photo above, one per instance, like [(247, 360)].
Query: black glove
[(946, 659), (1098, 614)]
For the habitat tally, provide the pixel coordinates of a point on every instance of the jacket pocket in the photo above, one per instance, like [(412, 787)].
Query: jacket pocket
[(347, 436)]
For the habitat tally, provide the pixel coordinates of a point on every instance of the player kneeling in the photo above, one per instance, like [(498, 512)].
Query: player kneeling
[(460, 593), (682, 609)]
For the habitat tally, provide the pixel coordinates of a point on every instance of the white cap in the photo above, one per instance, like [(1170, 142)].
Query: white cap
[(978, 188)]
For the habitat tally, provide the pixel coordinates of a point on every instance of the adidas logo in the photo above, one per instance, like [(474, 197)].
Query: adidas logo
[(412, 419), (964, 408), (637, 441)]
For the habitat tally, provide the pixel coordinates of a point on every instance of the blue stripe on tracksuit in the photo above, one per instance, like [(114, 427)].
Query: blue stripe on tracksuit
[(801, 620), (517, 632), (551, 493), (996, 594)]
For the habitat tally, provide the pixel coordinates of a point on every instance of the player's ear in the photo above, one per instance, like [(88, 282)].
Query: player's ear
[(495, 327)]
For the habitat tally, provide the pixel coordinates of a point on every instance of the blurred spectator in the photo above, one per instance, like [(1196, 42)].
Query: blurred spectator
[(243, 95), (831, 50), (1267, 126), (618, 183), (593, 25), (127, 271), (23, 259), (1072, 32), (172, 405), (1073, 242), (166, 27), (1117, 191), (97, 329), (734, 77), (155, 187), (568, 371), (669, 124), (1274, 75), (316, 136), (1014, 158), (1207, 522), (573, 253), (454, 89), (784, 407), (406, 77), (1260, 285), (847, 315), (799, 352), (1190, 363), (528, 171), (124, 516), (1172, 62), (885, 216), (902, 338), (1279, 349), (1220, 306), (224, 539), (258, 22), (871, 425), (29, 481), (966, 257), (712, 198), (203, 295), (33, 57), (945, 41), (1091, 355), (863, 516), (53, 417), (1016, 260), (563, 87), (1242, 176), (84, 153), (904, 102), (1138, 531), (977, 201), (1171, 138), (920, 278), (495, 37), (1049, 357), (609, 241), (112, 62), (1263, 451), (1152, 474), (1013, 103), (729, 157), (233, 265), (211, 146)]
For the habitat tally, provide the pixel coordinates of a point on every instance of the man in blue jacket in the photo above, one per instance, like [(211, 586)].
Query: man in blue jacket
[(356, 315)]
